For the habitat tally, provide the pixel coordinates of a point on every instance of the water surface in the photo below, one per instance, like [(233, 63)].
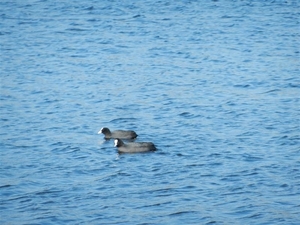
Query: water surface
[(215, 85)]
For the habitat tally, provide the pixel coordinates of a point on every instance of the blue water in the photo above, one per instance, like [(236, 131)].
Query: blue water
[(214, 84)]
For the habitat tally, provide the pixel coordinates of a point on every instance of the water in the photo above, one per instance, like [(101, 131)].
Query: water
[(215, 85)]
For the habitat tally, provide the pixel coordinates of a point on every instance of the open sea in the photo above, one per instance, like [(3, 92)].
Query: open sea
[(214, 84)]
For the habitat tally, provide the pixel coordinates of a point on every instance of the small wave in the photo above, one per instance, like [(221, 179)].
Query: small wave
[(5, 186), (294, 85), (242, 85), (76, 29), (89, 8), (123, 120), (47, 191), (270, 91), (181, 212), (185, 114), (250, 158)]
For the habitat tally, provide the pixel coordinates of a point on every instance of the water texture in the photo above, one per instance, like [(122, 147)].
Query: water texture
[(214, 84)]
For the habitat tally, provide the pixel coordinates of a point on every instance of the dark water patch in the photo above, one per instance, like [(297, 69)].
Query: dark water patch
[(188, 115), (242, 85), (294, 85), (89, 8), (5, 186)]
